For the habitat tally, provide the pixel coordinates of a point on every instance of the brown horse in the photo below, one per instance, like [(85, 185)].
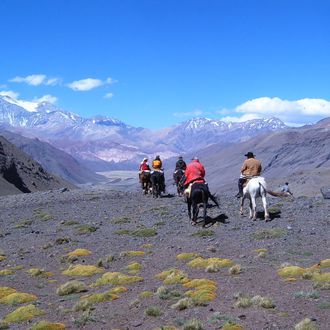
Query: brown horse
[(145, 181)]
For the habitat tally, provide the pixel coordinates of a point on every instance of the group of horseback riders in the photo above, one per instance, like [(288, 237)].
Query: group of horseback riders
[(184, 175)]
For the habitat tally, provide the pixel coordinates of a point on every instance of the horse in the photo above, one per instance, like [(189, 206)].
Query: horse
[(157, 182), (177, 177), (257, 187), (199, 194), (145, 181)]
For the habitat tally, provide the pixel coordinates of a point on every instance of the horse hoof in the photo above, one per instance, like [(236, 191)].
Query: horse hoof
[(193, 223), (267, 219)]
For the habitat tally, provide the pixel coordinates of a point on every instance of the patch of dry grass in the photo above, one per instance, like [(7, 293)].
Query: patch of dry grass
[(71, 287), (82, 270), (23, 313), (117, 278)]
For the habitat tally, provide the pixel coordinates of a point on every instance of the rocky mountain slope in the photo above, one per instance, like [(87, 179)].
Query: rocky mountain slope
[(300, 156), (52, 159), (100, 259), (19, 173)]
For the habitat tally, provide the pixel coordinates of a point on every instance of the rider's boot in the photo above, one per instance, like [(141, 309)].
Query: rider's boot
[(240, 189)]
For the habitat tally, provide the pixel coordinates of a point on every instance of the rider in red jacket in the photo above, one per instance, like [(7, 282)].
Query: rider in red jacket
[(195, 172)]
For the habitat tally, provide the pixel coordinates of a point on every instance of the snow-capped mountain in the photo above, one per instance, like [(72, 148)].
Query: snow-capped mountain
[(111, 141)]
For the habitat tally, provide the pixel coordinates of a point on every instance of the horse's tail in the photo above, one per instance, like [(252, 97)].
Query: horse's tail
[(278, 194)]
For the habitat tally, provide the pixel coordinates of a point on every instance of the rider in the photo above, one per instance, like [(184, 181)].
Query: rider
[(144, 167), (195, 172), (250, 168), (180, 164), (157, 166), (286, 189)]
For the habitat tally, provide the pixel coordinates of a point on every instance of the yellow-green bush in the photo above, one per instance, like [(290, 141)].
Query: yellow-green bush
[(117, 278), (45, 325), (187, 255), (79, 253), (18, 298), (321, 277), (231, 326), (132, 268), (173, 276), (132, 253), (71, 287), (23, 313), (6, 272), (5, 291), (291, 271), (82, 270), (39, 272), (325, 263), (212, 263)]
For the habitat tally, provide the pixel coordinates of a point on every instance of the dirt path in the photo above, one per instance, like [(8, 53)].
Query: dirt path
[(39, 230)]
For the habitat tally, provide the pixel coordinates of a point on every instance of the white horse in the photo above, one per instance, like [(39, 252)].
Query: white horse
[(256, 187)]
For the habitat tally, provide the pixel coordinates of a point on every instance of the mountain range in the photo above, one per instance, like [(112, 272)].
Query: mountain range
[(103, 143)]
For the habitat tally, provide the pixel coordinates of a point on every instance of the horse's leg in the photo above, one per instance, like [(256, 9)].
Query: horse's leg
[(264, 203), (253, 208), (189, 207), (204, 207), (195, 211), (241, 205)]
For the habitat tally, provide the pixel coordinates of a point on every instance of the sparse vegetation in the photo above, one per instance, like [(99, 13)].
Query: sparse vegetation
[(71, 287), (306, 324), (204, 233), (192, 324), (269, 233), (86, 229), (153, 311)]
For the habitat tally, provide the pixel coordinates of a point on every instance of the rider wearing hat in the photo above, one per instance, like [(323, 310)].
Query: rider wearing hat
[(250, 168), (144, 167)]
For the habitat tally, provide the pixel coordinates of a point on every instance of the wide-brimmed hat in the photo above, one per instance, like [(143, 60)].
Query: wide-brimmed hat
[(195, 158), (249, 154), (145, 158)]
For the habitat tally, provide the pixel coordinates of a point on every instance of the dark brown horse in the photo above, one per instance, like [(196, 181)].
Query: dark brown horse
[(145, 181)]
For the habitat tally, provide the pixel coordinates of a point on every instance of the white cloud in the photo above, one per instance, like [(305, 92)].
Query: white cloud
[(89, 83), (300, 112), (194, 113), (46, 98), (52, 81), (36, 80), (108, 95), (11, 94)]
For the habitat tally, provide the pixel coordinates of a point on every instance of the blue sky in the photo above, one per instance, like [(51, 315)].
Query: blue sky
[(154, 63)]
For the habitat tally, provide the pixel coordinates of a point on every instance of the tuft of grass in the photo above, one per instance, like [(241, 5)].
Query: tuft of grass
[(117, 278), (324, 305), (306, 324), (71, 287), (192, 324), (307, 294), (85, 229), (45, 325), (204, 233), (79, 253), (42, 215), (269, 233), (144, 232), (132, 268), (120, 220), (325, 263), (235, 270), (24, 224), (321, 277), (291, 271), (123, 232), (62, 240), (5, 291), (187, 255), (321, 286), (243, 302), (210, 264), (23, 313), (6, 272), (146, 294), (37, 272), (231, 326), (182, 304), (146, 246), (71, 223), (132, 253), (173, 276), (153, 311), (17, 298), (82, 270), (263, 302), (165, 293)]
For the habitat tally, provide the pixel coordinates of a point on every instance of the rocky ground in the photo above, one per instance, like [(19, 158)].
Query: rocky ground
[(128, 240)]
